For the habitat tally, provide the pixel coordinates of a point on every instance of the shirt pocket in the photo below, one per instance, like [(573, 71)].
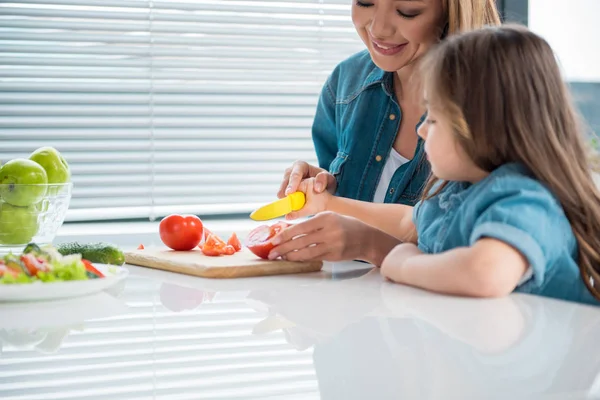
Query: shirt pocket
[(337, 165)]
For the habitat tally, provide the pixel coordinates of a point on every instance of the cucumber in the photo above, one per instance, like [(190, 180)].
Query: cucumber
[(101, 253)]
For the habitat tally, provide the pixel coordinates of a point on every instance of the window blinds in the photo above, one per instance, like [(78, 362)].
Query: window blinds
[(167, 106)]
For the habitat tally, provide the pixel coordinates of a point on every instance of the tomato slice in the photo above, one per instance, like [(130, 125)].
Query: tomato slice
[(229, 250), (91, 269), (235, 242), (219, 242), (4, 270), (141, 247), (213, 246), (33, 264), (278, 227), (259, 240), (14, 265), (211, 252)]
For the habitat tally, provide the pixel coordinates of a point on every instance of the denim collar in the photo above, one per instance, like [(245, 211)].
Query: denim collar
[(386, 79)]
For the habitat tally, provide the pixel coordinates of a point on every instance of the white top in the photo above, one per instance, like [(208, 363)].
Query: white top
[(393, 162)]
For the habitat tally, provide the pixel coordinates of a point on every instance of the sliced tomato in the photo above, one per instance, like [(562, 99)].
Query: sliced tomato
[(219, 242), (14, 265), (4, 270), (33, 264), (213, 246), (278, 227), (229, 250), (141, 247), (91, 269), (207, 233), (259, 240), (235, 242), (207, 251)]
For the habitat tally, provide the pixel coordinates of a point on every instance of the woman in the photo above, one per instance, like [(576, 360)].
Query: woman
[(365, 127)]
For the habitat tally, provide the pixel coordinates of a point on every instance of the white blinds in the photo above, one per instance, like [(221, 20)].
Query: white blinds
[(167, 106)]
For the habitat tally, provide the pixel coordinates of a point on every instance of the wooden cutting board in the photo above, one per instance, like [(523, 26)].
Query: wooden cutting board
[(240, 265)]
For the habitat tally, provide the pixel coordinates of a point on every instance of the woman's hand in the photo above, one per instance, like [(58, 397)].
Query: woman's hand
[(391, 267), (326, 236), (301, 170), (332, 237)]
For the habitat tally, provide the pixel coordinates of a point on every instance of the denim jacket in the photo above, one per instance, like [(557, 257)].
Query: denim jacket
[(355, 126), (509, 205)]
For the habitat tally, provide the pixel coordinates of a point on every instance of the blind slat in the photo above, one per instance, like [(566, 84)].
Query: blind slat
[(194, 6), (76, 110), (189, 87), (221, 52), (159, 99), (183, 28), (136, 74), (48, 135), (166, 145), (189, 62), (158, 40), (225, 17)]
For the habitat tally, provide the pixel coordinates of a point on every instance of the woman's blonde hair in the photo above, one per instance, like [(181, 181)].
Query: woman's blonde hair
[(467, 15), (503, 92)]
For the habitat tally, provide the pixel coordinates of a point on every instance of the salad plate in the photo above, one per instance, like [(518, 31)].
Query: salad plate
[(63, 289), (43, 274)]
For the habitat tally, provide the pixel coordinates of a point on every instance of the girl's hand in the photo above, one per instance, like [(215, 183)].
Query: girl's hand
[(315, 202), (391, 268)]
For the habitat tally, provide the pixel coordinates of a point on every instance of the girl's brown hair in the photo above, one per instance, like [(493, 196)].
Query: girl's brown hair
[(503, 92)]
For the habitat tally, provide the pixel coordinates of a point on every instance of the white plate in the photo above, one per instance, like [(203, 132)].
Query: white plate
[(60, 290)]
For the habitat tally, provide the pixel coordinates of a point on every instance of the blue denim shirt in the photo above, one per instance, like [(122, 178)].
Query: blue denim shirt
[(511, 206), (354, 129)]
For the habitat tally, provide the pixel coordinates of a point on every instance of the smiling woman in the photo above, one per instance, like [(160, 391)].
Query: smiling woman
[(365, 128)]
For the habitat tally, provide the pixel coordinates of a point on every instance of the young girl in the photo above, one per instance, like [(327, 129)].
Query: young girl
[(511, 205)]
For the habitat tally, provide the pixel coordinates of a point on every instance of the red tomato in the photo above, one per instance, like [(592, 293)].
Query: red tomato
[(90, 268), (229, 250), (235, 242), (4, 270), (218, 241), (181, 232), (259, 240), (33, 264), (213, 246), (211, 252), (278, 227)]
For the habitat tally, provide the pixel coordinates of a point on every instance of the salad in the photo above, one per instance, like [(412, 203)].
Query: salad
[(45, 264)]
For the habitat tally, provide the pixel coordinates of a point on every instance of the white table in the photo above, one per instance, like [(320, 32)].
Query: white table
[(344, 333)]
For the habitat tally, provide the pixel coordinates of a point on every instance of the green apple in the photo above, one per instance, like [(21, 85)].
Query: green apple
[(18, 225), (22, 182), (54, 163)]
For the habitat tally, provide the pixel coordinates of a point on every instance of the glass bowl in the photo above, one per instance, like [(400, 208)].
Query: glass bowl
[(31, 214)]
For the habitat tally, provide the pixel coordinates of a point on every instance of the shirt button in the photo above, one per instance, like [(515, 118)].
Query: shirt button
[(378, 158), (392, 117), (392, 191)]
